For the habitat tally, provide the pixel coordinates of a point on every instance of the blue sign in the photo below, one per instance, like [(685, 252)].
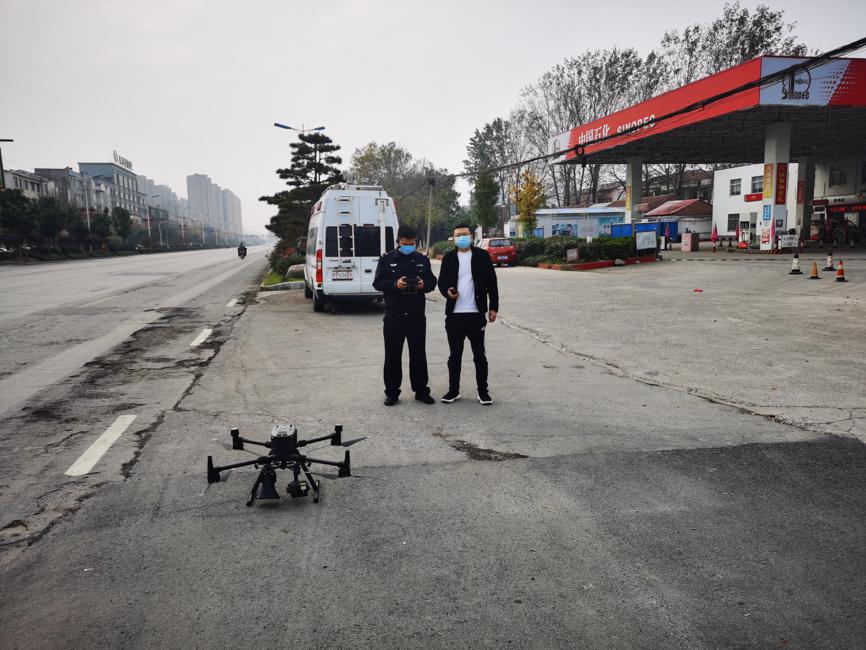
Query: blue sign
[(767, 212)]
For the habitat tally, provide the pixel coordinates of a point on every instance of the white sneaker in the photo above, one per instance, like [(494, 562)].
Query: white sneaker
[(484, 398)]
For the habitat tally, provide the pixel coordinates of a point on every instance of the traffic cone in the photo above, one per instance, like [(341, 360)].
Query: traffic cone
[(840, 273), (829, 266), (795, 266), (814, 275)]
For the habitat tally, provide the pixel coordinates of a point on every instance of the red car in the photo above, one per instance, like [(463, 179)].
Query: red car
[(501, 251)]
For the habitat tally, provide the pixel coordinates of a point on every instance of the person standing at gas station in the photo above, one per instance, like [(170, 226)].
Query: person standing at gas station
[(404, 276), (467, 279)]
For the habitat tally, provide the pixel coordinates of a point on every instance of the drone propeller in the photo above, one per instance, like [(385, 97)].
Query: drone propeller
[(349, 443)]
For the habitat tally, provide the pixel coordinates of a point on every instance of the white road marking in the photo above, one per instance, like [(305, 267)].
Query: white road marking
[(232, 302), (202, 337), (94, 452)]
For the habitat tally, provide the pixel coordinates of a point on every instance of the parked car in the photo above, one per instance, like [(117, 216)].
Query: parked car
[(501, 250)]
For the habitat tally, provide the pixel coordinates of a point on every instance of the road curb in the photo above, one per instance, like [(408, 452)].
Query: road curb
[(284, 286)]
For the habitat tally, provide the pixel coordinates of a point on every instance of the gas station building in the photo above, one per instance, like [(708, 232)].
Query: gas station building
[(815, 115)]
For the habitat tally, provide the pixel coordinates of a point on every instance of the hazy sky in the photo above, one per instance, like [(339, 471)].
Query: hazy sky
[(194, 86)]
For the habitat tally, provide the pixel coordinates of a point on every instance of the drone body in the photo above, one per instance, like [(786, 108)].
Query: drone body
[(284, 454)]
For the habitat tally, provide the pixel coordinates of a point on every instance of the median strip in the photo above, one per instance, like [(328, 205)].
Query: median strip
[(89, 458)]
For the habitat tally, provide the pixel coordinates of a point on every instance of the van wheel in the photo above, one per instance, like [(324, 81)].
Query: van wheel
[(318, 301), (308, 293)]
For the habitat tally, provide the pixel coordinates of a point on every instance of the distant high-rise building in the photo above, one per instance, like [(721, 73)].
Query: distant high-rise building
[(208, 203), (232, 213)]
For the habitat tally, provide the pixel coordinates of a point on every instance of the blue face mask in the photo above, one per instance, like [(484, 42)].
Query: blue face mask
[(407, 249), (463, 241)]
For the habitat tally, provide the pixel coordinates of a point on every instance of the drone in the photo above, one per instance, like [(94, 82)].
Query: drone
[(285, 454)]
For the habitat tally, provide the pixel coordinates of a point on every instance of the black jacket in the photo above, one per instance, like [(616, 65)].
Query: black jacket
[(483, 276), (393, 266)]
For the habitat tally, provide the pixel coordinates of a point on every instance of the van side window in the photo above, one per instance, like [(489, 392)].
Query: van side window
[(331, 241)]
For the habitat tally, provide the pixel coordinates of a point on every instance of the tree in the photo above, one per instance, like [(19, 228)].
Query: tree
[(406, 179), (100, 225), (312, 170), (122, 222), (77, 228), (528, 196), (484, 198), (50, 219), (17, 218)]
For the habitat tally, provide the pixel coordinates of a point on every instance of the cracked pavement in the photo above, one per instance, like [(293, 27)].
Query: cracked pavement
[(633, 485)]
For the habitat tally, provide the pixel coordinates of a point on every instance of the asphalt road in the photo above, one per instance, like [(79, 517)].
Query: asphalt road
[(595, 504)]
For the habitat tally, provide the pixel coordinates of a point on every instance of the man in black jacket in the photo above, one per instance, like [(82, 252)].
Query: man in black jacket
[(404, 276), (466, 279)]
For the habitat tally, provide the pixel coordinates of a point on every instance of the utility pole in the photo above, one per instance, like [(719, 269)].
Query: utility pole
[(86, 201), (3, 173), (431, 182)]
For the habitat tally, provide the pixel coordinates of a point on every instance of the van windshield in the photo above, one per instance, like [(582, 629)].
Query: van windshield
[(366, 240)]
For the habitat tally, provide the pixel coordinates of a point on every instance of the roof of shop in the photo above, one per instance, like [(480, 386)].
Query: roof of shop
[(685, 207)]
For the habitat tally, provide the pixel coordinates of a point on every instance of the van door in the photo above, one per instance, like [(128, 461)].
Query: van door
[(374, 236), (368, 241), (341, 271)]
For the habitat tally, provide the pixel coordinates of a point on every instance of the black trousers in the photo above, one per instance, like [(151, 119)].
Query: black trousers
[(459, 327), (411, 328)]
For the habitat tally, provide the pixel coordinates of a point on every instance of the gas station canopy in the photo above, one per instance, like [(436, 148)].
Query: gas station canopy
[(825, 106)]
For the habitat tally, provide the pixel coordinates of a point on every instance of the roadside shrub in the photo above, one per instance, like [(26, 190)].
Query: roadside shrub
[(280, 263), (529, 247), (441, 247)]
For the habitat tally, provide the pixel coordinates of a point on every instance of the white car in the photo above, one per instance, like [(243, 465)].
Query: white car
[(351, 226)]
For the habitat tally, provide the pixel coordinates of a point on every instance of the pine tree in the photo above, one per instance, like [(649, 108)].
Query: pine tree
[(313, 169), (484, 197)]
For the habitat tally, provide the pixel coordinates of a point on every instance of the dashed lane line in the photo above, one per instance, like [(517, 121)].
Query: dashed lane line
[(232, 302), (89, 458), (201, 338)]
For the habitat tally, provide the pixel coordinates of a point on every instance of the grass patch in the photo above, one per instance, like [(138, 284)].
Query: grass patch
[(272, 278)]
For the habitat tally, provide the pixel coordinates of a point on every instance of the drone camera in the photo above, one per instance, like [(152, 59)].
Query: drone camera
[(298, 489)]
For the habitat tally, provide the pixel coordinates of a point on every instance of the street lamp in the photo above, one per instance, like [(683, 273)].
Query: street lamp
[(159, 226), (301, 130), (2, 173), (149, 237)]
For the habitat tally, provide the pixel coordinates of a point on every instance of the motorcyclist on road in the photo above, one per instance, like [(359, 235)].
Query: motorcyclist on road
[(242, 251)]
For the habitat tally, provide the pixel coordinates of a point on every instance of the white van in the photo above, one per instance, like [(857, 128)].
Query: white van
[(351, 226)]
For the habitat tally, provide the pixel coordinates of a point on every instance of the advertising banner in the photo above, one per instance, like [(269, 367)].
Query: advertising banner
[(781, 182), (768, 181)]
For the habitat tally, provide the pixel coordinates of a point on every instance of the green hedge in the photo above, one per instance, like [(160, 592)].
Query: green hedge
[(441, 247), (531, 251)]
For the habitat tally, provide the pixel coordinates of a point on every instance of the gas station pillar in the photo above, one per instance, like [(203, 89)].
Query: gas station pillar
[(633, 188), (777, 151), (805, 196)]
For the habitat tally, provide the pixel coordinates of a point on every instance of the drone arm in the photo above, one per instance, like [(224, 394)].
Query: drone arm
[(344, 466), (238, 440)]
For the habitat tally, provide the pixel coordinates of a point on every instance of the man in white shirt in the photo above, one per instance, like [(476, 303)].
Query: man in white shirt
[(466, 280)]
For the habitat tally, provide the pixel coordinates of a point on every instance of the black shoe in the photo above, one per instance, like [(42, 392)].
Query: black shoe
[(425, 398), (451, 396), (484, 398), (390, 400)]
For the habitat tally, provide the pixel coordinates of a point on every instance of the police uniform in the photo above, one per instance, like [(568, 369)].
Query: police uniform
[(404, 319)]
